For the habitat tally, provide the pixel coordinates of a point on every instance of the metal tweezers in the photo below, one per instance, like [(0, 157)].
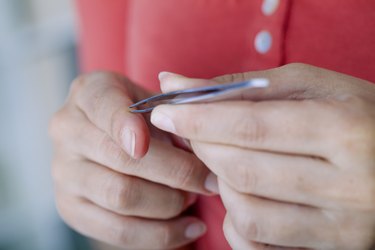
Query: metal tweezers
[(199, 95)]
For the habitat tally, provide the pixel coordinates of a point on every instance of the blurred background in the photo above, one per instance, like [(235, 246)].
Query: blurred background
[(37, 63)]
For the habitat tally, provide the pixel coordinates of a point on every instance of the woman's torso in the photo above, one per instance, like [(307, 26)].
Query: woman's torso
[(207, 38)]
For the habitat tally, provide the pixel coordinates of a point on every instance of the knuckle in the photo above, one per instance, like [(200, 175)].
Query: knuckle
[(78, 84), (197, 126), (119, 159), (98, 102), (295, 70), (58, 124), (100, 108), (355, 191), (165, 233), (349, 123), (82, 81), (236, 77), (122, 194), (368, 204), (184, 174), (248, 228), (178, 202), (120, 235), (250, 130), (353, 118), (243, 179), (361, 236), (248, 181), (365, 198), (252, 230)]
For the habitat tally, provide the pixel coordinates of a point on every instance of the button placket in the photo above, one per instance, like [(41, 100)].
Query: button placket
[(263, 39), (269, 6), (263, 42)]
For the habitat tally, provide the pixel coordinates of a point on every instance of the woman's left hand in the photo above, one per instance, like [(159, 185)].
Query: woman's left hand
[(296, 167)]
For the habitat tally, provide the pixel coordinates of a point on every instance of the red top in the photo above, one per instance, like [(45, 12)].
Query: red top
[(207, 38)]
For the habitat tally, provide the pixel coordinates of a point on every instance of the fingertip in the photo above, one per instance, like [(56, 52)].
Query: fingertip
[(195, 230), (211, 183), (167, 81), (162, 120), (173, 82), (163, 75), (186, 230)]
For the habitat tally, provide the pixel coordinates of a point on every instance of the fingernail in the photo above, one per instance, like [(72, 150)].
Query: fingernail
[(211, 183), (195, 230), (128, 140), (163, 122), (163, 75)]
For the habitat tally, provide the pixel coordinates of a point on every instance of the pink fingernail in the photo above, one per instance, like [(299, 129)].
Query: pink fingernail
[(163, 75), (195, 230), (163, 122), (211, 183), (128, 140)]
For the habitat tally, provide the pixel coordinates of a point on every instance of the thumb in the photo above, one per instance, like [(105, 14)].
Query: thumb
[(172, 82), (291, 81)]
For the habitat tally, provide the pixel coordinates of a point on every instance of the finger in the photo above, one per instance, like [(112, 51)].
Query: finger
[(178, 168), (234, 239), (281, 224), (120, 193), (162, 164), (282, 126), (237, 242), (128, 232), (172, 82), (104, 99), (288, 178)]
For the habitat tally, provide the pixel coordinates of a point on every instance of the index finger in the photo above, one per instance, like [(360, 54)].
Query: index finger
[(104, 98), (297, 127)]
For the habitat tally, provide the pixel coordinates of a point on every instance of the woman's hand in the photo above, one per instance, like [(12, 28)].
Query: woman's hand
[(110, 184), (296, 168)]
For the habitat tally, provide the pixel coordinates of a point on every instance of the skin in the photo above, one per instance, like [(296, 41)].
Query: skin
[(295, 162), (126, 192)]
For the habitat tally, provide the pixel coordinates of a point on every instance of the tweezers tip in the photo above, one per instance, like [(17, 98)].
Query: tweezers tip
[(140, 111)]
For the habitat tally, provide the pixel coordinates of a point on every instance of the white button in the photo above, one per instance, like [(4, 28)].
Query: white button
[(263, 42), (269, 6)]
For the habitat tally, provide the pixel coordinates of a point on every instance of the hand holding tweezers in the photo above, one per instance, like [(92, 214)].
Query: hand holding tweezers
[(199, 95)]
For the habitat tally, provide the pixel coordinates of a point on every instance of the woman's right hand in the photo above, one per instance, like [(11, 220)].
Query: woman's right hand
[(113, 181)]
